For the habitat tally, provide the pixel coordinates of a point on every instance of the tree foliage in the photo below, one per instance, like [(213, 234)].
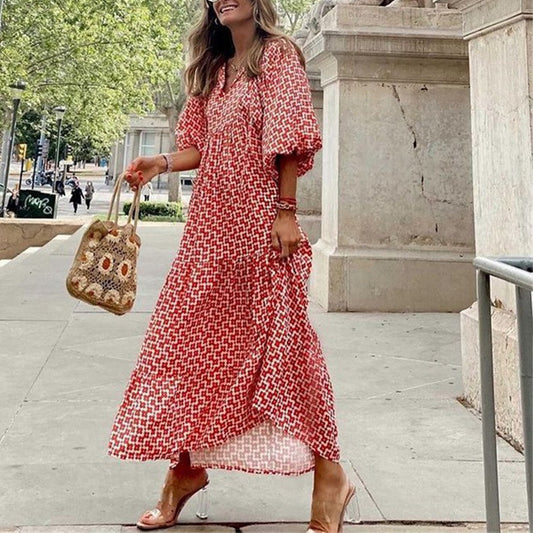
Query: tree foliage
[(102, 59), (99, 58), (292, 12)]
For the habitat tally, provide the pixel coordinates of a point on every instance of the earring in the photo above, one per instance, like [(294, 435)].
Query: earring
[(217, 23)]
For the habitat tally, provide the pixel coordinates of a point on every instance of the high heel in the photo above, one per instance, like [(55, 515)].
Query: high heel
[(178, 506), (328, 517), (203, 504), (353, 511)]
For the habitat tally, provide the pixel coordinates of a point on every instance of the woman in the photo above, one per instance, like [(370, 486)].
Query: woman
[(76, 196), (89, 193), (13, 202), (146, 191), (231, 373)]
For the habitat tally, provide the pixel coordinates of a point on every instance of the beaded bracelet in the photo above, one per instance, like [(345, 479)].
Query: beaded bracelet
[(288, 200), (285, 206), (166, 157)]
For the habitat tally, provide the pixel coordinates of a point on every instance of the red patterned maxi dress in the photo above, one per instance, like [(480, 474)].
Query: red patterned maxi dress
[(230, 368)]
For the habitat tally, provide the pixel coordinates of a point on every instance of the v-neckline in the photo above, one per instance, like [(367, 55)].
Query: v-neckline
[(223, 78)]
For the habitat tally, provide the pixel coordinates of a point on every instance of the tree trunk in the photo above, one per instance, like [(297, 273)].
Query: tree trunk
[(174, 184)]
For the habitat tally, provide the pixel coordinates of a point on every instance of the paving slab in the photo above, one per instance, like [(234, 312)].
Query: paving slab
[(266, 528), (25, 345), (382, 528), (439, 490), (188, 529), (413, 428), (388, 376), (74, 374), (432, 337), (55, 432), (71, 529), (85, 329)]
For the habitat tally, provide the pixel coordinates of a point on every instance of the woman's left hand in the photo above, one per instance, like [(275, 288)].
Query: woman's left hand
[(285, 234)]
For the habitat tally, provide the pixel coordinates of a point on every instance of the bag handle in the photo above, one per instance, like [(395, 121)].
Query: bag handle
[(115, 202)]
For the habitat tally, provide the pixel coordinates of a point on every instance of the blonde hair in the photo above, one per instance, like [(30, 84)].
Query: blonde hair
[(210, 45)]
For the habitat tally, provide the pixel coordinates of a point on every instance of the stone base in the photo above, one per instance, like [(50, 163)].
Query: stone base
[(17, 234), (311, 225), (391, 280), (506, 368)]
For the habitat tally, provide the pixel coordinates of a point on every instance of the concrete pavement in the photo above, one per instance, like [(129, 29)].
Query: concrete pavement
[(267, 528), (413, 450)]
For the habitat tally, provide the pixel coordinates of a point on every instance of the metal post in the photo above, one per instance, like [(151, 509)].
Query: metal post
[(5, 148), (490, 459), (39, 159), (23, 161), (35, 163), (60, 122), (525, 347), (115, 163), (126, 148), (16, 103)]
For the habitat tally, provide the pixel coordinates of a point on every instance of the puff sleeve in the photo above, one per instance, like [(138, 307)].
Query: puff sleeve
[(289, 121), (191, 129)]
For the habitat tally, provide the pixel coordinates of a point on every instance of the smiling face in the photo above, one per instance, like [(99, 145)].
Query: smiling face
[(233, 12)]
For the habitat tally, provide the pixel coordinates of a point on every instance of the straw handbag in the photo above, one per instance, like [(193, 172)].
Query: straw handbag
[(104, 271)]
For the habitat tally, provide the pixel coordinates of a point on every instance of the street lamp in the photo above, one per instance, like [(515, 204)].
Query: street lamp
[(16, 92), (60, 113)]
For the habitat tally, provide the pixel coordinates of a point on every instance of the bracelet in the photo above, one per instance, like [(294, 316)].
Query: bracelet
[(288, 200), (286, 206), (166, 157)]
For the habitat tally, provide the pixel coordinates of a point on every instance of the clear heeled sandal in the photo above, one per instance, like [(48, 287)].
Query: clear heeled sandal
[(322, 520), (202, 510), (352, 514)]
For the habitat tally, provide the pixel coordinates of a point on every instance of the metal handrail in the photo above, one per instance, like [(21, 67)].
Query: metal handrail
[(519, 272)]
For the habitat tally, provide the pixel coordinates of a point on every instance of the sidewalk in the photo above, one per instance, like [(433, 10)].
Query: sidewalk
[(413, 450)]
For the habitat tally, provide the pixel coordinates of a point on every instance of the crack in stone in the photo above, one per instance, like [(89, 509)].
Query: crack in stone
[(402, 110), (431, 200)]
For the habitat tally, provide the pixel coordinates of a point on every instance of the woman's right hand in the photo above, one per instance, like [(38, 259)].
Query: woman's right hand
[(142, 169)]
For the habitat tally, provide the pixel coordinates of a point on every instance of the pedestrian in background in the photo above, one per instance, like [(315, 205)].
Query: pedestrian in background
[(231, 373), (75, 197), (89, 193), (13, 202), (146, 191)]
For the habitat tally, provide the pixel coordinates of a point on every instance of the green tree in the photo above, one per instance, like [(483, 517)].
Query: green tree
[(102, 59), (291, 13), (99, 58)]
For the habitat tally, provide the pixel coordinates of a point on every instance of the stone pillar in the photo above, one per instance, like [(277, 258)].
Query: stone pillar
[(310, 187), (397, 222), (499, 35)]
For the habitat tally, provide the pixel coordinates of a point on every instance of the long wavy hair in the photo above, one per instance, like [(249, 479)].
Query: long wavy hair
[(210, 44)]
